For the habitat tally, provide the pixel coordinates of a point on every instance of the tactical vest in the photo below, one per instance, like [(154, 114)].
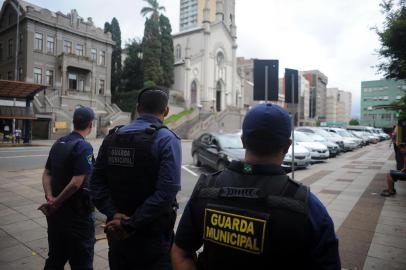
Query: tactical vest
[(252, 222), (132, 169), (62, 173)]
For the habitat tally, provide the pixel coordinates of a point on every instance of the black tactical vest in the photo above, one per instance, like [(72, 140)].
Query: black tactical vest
[(132, 169), (62, 173), (252, 222)]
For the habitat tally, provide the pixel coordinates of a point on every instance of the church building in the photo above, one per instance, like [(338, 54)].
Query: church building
[(205, 55)]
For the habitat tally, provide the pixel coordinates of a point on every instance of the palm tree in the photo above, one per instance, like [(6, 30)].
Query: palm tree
[(153, 8)]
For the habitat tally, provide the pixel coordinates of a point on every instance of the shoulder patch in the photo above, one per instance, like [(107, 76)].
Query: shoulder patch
[(90, 159)]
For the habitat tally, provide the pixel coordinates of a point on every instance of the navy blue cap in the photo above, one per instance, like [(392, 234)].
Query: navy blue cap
[(83, 115), (269, 118)]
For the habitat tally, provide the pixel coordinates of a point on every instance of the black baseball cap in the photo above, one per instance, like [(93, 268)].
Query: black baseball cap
[(83, 115), (153, 90)]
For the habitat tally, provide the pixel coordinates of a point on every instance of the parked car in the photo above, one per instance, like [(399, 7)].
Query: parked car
[(303, 157), (333, 148), (369, 130), (350, 141), (217, 150), (318, 151), (382, 135), (325, 134), (361, 135)]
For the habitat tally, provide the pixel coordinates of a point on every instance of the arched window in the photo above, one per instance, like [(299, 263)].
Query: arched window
[(178, 52), (218, 96), (220, 59), (193, 93)]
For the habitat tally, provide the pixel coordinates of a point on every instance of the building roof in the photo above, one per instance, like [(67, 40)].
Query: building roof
[(16, 89)]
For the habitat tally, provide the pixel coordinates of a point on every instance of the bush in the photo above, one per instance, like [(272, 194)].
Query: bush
[(176, 117)]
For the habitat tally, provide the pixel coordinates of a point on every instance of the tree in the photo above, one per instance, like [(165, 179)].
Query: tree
[(133, 75), (354, 122), (107, 27), (167, 57), (393, 40), (116, 66), (152, 49), (154, 9)]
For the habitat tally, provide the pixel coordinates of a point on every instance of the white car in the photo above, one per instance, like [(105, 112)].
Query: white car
[(303, 157), (348, 138), (318, 151)]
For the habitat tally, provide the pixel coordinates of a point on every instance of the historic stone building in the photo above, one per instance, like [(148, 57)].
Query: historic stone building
[(65, 52), (205, 56)]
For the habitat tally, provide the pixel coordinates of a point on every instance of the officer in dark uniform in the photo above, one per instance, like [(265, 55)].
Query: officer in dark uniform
[(135, 182), (251, 215), (69, 211)]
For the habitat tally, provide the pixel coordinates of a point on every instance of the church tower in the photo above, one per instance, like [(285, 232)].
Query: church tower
[(206, 55)]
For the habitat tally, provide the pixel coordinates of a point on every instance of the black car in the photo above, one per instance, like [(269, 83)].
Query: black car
[(217, 150)]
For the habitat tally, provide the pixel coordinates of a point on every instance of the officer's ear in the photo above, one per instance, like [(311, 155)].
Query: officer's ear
[(166, 112), (243, 142), (286, 148)]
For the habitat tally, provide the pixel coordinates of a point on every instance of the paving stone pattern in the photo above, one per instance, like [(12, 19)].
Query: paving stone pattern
[(371, 229)]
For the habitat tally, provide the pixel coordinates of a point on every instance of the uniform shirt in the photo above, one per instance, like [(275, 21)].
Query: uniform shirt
[(82, 155), (166, 148), (325, 252)]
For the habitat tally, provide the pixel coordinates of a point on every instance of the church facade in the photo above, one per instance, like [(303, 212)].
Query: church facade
[(205, 58)]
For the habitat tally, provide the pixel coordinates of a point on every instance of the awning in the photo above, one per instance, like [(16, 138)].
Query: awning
[(21, 113), (17, 89)]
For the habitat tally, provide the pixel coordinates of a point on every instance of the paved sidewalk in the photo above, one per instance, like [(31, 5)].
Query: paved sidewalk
[(372, 229)]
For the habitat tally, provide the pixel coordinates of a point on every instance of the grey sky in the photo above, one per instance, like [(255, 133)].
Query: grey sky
[(333, 36)]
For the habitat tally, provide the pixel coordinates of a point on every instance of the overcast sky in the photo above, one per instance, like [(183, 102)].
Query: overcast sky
[(332, 36)]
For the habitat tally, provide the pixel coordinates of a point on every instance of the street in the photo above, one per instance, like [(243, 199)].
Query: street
[(371, 228)]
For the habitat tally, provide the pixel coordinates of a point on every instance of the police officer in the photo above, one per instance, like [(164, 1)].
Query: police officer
[(251, 215), (135, 182), (69, 212)]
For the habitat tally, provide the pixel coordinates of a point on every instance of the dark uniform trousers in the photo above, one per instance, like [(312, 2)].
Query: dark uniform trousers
[(71, 236), (140, 252)]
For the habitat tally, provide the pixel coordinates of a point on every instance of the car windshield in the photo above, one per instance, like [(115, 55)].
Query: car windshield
[(302, 137), (324, 133), (317, 138), (230, 141), (335, 135), (358, 133), (344, 133)]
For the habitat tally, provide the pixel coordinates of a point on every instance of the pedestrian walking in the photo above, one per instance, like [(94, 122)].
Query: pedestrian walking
[(17, 135), (252, 215), (69, 211), (135, 182)]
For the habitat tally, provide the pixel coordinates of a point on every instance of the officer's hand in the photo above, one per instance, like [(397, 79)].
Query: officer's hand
[(114, 225), (50, 198), (120, 216), (44, 209), (118, 231), (48, 208)]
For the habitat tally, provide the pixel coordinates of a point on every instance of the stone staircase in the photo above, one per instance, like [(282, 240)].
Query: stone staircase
[(51, 103), (228, 120)]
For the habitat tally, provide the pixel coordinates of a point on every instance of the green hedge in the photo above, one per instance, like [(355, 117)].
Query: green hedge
[(176, 117)]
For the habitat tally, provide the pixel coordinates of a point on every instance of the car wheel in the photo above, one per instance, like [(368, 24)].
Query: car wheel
[(196, 160), (221, 166)]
